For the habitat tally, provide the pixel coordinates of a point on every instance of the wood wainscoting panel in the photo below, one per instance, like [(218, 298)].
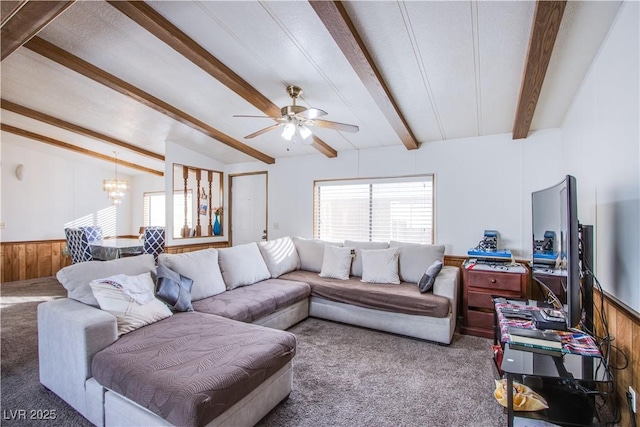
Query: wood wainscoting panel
[(35, 259), (31, 260), (624, 328), (194, 247)]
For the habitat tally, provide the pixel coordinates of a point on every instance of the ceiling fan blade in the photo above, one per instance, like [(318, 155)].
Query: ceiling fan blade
[(261, 131), (256, 117), (312, 113), (342, 127)]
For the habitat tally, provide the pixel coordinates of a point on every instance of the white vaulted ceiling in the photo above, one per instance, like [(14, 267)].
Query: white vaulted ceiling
[(454, 70)]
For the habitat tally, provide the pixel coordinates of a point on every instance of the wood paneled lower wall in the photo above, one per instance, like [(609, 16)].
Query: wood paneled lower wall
[(194, 247), (31, 260), (34, 259), (624, 327)]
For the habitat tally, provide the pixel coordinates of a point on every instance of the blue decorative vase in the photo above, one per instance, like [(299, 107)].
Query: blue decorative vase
[(216, 227)]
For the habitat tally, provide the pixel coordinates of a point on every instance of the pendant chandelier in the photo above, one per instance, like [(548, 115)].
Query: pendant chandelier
[(115, 188)]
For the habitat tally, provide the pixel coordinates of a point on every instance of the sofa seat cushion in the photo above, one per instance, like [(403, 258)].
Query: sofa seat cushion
[(403, 298), (191, 367), (250, 303)]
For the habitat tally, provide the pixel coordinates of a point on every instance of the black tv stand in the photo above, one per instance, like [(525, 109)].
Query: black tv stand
[(568, 382)]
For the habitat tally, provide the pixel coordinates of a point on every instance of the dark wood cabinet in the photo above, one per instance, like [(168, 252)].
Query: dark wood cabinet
[(479, 288)]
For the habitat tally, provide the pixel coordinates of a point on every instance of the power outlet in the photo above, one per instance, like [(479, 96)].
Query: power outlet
[(634, 408)]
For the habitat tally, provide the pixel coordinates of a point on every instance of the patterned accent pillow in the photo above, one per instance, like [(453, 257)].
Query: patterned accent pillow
[(429, 277), (336, 263), (174, 289), (130, 299), (380, 265)]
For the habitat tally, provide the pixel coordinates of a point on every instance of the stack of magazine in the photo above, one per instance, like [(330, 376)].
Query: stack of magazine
[(536, 340)]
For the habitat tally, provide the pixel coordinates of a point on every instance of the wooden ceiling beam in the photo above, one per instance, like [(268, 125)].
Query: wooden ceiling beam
[(59, 123), (546, 24), (66, 59), (8, 8), (60, 144), (152, 21), (25, 20), (336, 19)]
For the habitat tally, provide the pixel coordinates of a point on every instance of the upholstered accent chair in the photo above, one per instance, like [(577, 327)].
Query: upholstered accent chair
[(78, 245), (93, 232), (153, 241)]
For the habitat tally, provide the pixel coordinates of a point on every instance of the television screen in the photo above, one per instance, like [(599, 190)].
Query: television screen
[(555, 253)]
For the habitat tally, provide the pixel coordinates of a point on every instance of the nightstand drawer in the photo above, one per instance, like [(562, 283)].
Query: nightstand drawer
[(496, 281), (480, 319), (479, 299)]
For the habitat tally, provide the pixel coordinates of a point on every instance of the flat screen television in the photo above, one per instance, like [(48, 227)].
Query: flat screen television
[(556, 243)]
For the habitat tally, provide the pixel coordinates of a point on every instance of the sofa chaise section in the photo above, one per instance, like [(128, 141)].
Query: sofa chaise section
[(190, 368)]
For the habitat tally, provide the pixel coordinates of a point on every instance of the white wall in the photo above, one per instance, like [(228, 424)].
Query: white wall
[(601, 148), (480, 184), (58, 189)]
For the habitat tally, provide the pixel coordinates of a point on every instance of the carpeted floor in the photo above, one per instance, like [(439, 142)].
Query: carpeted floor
[(344, 375)]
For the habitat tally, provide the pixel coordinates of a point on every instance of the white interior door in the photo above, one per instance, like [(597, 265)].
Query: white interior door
[(248, 208)]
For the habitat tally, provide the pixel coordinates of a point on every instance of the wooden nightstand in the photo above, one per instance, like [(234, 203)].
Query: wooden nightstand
[(481, 283)]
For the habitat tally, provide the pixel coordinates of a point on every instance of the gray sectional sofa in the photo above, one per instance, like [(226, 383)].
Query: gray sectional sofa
[(120, 360)]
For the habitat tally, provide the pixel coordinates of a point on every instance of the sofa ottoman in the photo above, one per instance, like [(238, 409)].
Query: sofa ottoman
[(190, 368)]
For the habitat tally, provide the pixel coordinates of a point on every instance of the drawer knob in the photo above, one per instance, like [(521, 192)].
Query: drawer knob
[(493, 280)]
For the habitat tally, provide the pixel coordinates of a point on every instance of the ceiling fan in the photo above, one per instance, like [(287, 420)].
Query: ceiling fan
[(296, 121)]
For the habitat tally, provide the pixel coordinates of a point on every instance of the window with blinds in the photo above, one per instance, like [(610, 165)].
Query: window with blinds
[(155, 212), (375, 209)]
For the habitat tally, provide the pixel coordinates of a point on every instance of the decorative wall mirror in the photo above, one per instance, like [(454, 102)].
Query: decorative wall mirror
[(197, 202)]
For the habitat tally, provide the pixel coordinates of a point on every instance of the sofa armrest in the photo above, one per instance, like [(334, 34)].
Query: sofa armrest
[(70, 333), (447, 284)]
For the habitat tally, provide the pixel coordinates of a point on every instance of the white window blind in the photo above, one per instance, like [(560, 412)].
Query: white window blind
[(375, 209), (155, 213)]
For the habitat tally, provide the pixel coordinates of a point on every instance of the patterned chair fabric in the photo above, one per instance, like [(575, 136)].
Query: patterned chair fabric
[(153, 241), (93, 232), (78, 245)]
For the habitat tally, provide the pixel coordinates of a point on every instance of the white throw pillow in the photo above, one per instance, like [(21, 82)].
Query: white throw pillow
[(201, 267), (415, 258), (280, 255), (311, 252), (242, 265), (76, 278), (336, 262), (356, 266), (380, 266), (130, 299)]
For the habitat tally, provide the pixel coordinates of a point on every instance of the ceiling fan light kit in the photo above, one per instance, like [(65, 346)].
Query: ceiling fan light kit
[(297, 120)]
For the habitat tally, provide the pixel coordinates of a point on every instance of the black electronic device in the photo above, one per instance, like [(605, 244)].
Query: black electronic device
[(555, 222), (516, 313), (544, 321)]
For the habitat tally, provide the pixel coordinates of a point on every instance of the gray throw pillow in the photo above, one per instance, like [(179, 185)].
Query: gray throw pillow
[(174, 289), (429, 277)]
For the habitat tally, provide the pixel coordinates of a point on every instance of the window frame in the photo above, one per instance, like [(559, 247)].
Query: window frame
[(427, 177)]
